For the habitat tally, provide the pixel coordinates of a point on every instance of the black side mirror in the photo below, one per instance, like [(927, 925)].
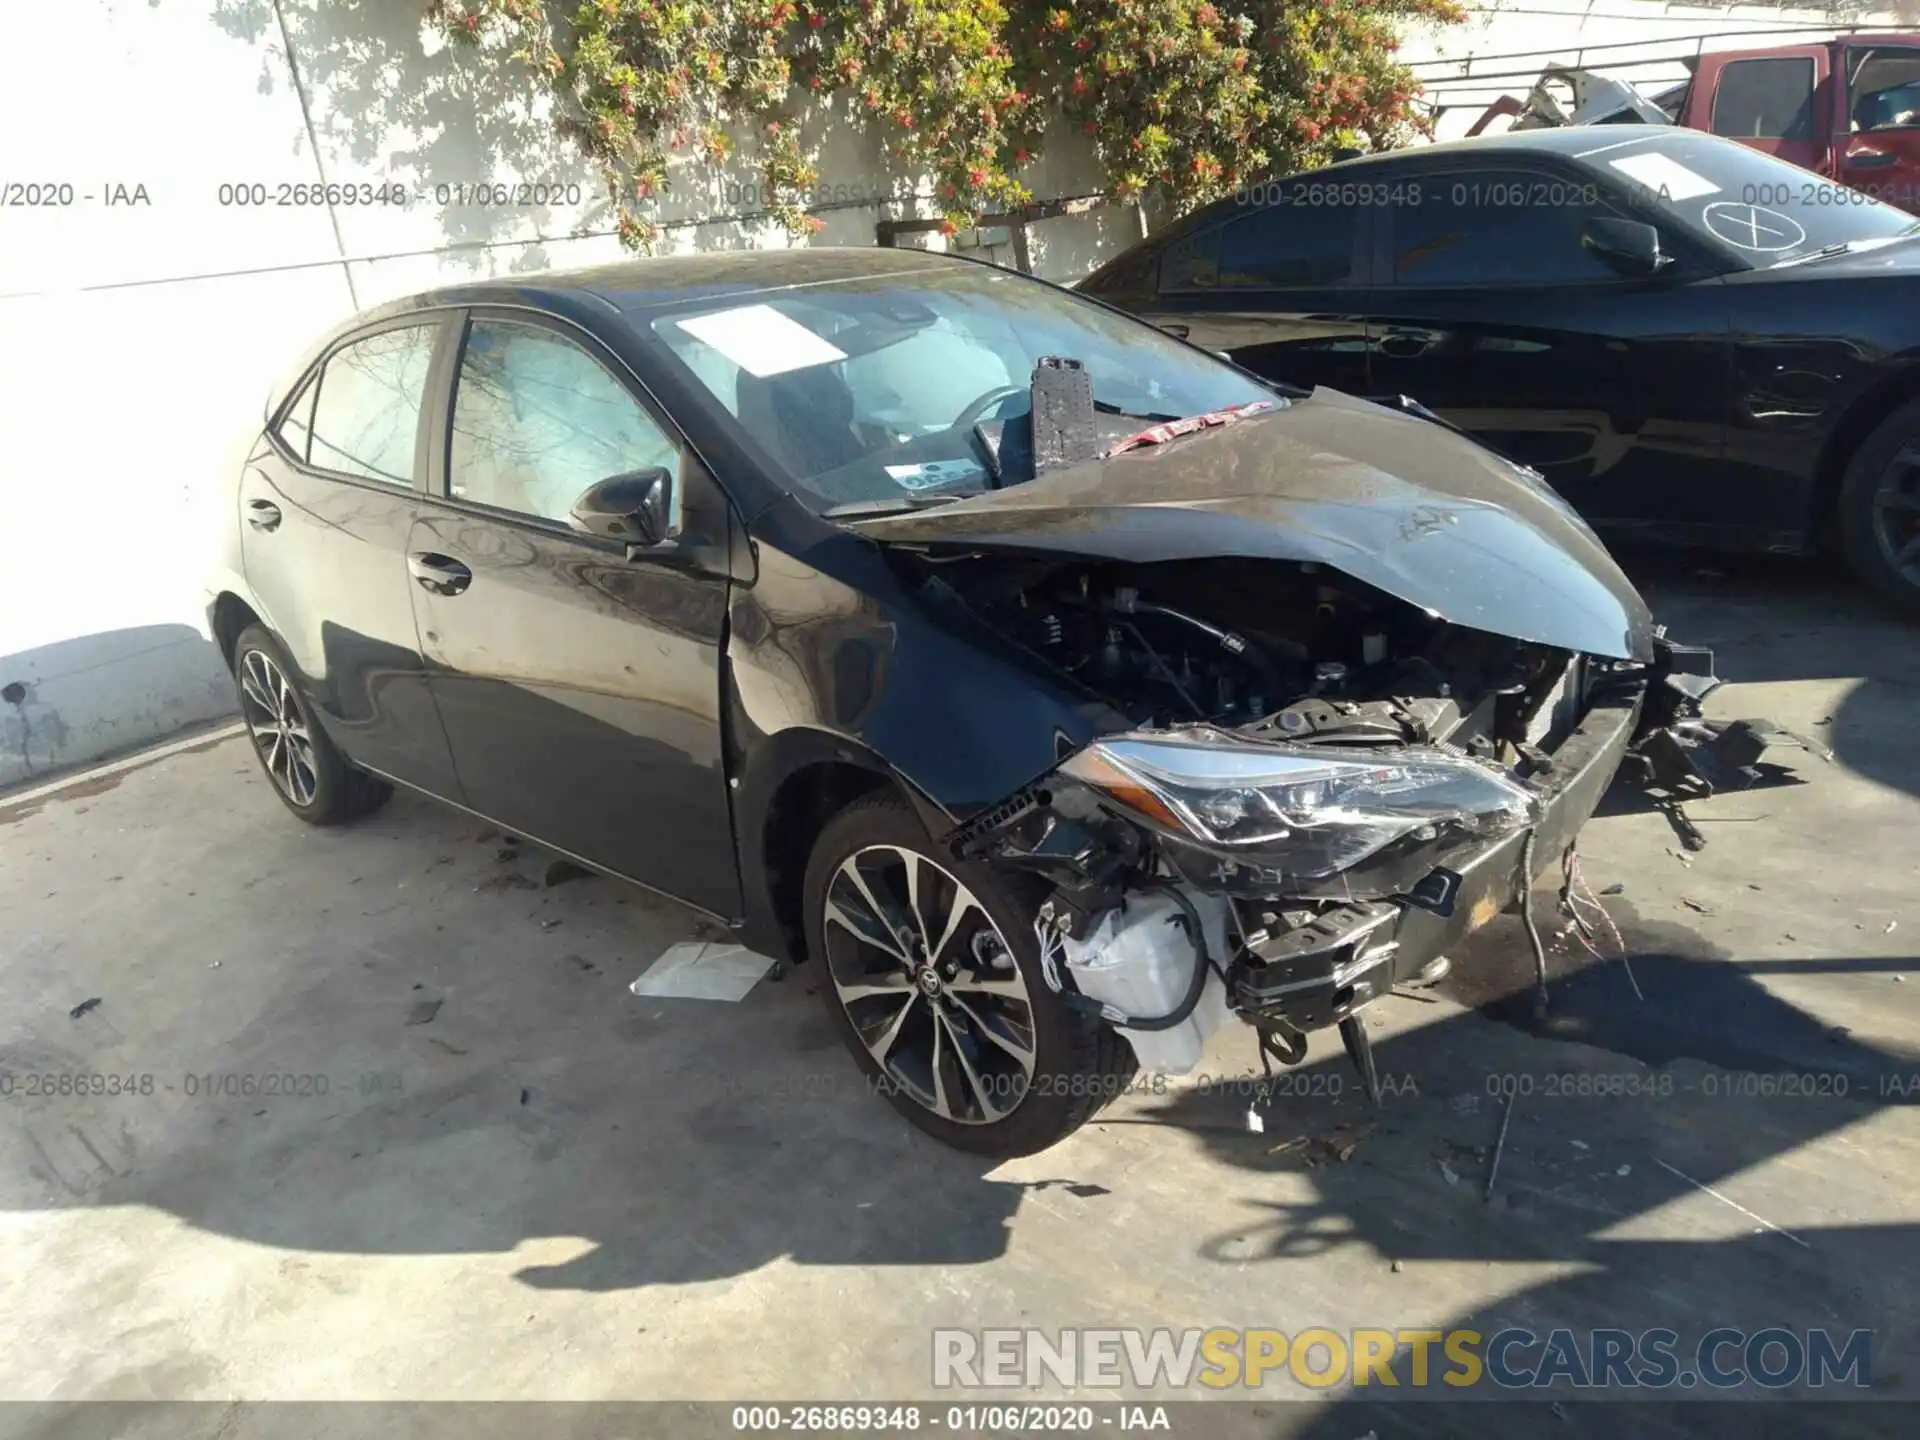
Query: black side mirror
[(631, 508), (1631, 246)]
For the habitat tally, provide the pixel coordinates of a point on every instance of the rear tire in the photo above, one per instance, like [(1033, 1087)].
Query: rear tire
[(1017, 1069), (1879, 510), (310, 776)]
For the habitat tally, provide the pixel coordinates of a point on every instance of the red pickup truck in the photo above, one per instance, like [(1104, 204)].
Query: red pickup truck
[(1848, 109)]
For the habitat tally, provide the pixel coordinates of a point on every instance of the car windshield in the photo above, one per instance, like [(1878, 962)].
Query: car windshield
[(898, 389), (1764, 210)]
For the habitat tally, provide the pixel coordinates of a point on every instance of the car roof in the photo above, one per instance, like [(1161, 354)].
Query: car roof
[(1566, 140), (635, 288)]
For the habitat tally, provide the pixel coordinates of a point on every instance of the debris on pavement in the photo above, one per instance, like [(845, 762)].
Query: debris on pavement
[(1336, 1147), (1499, 1145), (90, 1004), (421, 1012), (703, 970), (1698, 906), (507, 880)]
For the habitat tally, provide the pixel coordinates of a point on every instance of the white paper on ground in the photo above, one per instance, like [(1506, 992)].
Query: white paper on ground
[(762, 341), (703, 970), (1665, 177)]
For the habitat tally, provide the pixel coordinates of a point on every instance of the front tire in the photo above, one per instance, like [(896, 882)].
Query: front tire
[(1880, 510), (931, 971), (310, 776)]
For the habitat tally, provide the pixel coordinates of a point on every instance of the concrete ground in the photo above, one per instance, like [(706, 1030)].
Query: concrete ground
[(501, 1175)]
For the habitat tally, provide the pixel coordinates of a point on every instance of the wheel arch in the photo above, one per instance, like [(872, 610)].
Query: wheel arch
[(1859, 421), (227, 616), (798, 782)]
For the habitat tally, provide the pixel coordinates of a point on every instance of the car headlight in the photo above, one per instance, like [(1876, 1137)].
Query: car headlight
[(1310, 810)]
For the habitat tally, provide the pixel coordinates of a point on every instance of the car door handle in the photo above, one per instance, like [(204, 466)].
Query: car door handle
[(1176, 329), (439, 574), (1870, 161), (1405, 344), (263, 514)]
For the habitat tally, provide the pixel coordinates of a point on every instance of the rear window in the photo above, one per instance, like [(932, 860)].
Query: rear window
[(367, 416), (1132, 274), (1765, 99), (1280, 244)]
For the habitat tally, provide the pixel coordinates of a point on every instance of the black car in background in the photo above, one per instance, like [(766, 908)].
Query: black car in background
[(1059, 689), (1692, 341)]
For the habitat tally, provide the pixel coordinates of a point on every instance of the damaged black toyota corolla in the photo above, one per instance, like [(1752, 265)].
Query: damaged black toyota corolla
[(1057, 689)]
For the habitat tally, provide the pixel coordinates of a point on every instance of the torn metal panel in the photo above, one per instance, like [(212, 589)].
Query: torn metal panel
[(1408, 507), (1680, 755)]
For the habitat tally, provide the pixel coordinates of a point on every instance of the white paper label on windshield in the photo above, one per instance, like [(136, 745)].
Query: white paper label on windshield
[(933, 474), (1666, 177), (762, 341)]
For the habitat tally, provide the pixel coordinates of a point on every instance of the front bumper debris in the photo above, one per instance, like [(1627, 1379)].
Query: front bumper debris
[(1677, 754), (1318, 974), (1296, 963)]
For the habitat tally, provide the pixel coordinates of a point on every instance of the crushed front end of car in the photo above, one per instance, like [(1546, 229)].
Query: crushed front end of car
[(1359, 703), (1297, 865)]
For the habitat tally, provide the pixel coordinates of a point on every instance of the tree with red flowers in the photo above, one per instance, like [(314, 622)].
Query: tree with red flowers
[(1187, 100)]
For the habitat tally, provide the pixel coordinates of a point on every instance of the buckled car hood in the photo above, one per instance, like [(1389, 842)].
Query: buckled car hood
[(1408, 506)]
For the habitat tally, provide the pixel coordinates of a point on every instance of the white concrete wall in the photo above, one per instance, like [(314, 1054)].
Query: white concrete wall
[(137, 343)]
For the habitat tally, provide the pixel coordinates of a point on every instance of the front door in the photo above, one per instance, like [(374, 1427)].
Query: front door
[(580, 691), (1879, 153), (1493, 312), (328, 502), (1771, 102)]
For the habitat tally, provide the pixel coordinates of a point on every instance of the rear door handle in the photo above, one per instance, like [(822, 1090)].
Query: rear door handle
[(1869, 161), (1406, 344), (263, 514), (1176, 329), (438, 573)]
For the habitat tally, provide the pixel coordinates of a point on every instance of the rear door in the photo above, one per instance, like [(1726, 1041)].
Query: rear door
[(580, 690), (326, 506), (1770, 102), (1276, 279), (1492, 311), (1879, 148)]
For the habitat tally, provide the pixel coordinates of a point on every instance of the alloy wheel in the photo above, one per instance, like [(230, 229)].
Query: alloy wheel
[(930, 984), (1896, 513), (279, 730)]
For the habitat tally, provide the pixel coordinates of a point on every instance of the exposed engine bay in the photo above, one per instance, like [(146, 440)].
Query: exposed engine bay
[(1311, 788), (1286, 652)]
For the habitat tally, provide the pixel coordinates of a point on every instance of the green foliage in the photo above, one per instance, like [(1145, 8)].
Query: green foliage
[(1187, 99)]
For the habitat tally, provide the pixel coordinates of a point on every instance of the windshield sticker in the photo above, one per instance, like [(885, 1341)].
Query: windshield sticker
[(1748, 227), (934, 474), (761, 341), (1666, 177)]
